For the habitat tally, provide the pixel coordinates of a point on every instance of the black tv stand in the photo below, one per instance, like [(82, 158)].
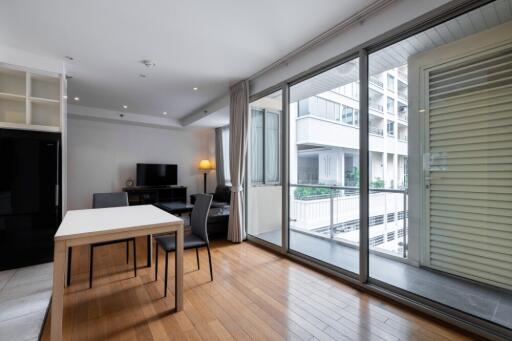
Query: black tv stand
[(143, 195)]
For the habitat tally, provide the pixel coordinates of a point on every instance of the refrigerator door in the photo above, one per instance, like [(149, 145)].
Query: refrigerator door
[(29, 197)]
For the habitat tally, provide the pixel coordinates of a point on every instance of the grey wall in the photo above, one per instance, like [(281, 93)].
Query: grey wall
[(102, 155)]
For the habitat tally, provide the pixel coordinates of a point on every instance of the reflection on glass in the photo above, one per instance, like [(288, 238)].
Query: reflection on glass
[(324, 167), (264, 192), (440, 178)]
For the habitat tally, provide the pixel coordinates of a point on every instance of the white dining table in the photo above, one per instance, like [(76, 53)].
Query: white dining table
[(82, 227)]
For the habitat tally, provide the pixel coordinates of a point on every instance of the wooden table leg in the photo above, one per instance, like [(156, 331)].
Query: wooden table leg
[(59, 268), (179, 268)]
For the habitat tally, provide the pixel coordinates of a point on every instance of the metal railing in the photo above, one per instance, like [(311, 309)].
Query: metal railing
[(376, 81), (376, 130), (376, 106), (331, 211), (403, 116)]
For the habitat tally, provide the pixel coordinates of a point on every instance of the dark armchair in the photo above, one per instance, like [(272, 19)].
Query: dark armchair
[(221, 197)]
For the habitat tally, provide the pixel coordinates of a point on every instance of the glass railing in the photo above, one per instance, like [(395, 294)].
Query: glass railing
[(332, 212), (376, 81), (376, 106), (376, 130)]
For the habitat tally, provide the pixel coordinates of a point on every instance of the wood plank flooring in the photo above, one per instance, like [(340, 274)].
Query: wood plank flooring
[(255, 295)]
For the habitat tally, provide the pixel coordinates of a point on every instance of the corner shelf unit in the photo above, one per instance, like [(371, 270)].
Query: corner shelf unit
[(30, 100)]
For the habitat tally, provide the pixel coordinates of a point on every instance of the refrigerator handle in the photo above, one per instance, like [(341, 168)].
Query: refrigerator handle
[(57, 195)]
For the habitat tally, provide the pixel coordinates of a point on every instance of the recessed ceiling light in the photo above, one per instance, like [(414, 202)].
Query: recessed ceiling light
[(65, 97), (77, 98), (69, 58), (125, 106), (164, 113), (195, 89)]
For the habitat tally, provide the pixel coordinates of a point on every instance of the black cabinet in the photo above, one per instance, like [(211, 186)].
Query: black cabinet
[(141, 195)]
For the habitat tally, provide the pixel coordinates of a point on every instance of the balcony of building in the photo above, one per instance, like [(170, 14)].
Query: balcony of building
[(324, 225), (319, 131), (402, 90)]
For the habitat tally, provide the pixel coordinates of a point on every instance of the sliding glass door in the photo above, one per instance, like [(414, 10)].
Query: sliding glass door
[(441, 173), (436, 155), (264, 190), (324, 167)]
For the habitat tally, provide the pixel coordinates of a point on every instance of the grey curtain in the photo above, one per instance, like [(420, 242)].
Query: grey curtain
[(238, 130), (219, 157)]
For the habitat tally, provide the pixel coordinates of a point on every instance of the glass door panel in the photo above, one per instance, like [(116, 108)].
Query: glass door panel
[(324, 167), (264, 192)]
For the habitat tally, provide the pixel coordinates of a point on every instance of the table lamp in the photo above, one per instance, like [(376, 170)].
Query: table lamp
[(206, 166)]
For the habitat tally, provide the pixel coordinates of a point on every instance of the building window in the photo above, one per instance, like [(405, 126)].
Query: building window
[(348, 115), (391, 105), (391, 83), (265, 155), (391, 128)]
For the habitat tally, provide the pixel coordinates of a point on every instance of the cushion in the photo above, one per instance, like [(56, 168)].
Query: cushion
[(190, 241), (222, 194)]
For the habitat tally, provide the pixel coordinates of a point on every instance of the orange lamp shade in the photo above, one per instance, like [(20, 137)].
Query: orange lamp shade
[(205, 165)]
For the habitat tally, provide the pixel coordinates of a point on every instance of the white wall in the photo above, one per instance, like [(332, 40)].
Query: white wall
[(102, 155)]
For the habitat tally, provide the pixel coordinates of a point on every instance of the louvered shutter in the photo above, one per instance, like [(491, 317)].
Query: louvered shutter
[(470, 145)]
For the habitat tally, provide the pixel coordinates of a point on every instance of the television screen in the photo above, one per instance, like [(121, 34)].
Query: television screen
[(156, 174)]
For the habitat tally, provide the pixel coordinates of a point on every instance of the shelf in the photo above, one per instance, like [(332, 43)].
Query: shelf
[(12, 81), (24, 126), (43, 100), (44, 87), (12, 97)]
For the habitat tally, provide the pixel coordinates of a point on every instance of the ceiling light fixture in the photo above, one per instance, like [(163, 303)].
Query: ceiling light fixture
[(69, 58), (125, 106), (164, 113), (77, 98), (195, 89), (148, 63)]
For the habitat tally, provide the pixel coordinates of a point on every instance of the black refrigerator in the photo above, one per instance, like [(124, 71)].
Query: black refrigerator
[(30, 196)]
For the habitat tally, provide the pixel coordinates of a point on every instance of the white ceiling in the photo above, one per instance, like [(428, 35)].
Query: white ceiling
[(205, 44)]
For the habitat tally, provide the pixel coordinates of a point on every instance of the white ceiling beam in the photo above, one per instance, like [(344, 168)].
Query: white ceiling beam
[(81, 111), (210, 108)]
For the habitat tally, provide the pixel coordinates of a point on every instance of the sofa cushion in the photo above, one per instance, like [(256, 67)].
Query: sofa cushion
[(222, 194)]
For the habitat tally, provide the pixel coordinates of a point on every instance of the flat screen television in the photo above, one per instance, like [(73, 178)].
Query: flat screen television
[(151, 174)]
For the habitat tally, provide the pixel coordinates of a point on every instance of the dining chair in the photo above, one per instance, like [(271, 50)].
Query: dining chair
[(105, 200), (195, 238)]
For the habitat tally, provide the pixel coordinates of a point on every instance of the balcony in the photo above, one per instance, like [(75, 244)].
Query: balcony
[(375, 130), (403, 116), (377, 82), (324, 226), (376, 106)]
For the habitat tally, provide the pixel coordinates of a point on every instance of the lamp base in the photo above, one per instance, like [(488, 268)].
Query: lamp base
[(205, 174)]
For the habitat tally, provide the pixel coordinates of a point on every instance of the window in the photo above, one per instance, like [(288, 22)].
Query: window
[(391, 105), (225, 154), (347, 116), (391, 128), (265, 158), (391, 83)]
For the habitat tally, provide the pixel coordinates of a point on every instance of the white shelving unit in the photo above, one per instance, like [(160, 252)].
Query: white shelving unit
[(31, 100)]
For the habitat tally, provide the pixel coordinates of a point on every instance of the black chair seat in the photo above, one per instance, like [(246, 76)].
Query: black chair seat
[(190, 241)]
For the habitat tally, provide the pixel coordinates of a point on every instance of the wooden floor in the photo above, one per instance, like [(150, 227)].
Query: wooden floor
[(255, 295)]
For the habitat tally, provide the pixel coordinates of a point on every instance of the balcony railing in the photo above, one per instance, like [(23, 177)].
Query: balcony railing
[(332, 212), (376, 130), (376, 106), (403, 116), (377, 82), (402, 95), (402, 74)]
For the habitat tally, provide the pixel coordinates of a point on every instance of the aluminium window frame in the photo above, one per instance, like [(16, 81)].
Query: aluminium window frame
[(438, 310)]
